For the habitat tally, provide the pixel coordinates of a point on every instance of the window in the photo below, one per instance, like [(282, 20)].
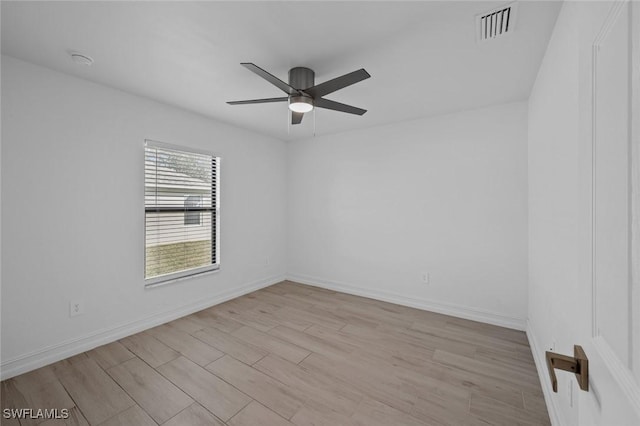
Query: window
[(192, 217), (181, 190)]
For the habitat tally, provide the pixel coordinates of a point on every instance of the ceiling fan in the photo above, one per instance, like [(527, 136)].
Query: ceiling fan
[(303, 95)]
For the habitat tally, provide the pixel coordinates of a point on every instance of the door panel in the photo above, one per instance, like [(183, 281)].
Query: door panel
[(614, 395), (611, 202)]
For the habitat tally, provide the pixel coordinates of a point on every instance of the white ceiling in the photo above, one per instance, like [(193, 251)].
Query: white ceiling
[(422, 56)]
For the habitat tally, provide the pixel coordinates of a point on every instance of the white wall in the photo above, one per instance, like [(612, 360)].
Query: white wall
[(73, 213), (553, 193), (370, 210)]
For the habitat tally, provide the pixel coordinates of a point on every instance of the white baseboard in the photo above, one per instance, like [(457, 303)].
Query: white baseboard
[(541, 367), (57, 352), (465, 312)]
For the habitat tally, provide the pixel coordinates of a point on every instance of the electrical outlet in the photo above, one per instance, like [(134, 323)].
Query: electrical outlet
[(425, 277), (76, 307)]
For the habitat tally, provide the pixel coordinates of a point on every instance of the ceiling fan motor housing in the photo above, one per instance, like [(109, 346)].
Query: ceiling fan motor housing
[(301, 78)]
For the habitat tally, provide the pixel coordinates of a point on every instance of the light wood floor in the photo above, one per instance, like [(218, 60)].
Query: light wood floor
[(293, 354)]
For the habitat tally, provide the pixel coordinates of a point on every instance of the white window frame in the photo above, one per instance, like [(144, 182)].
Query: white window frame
[(181, 275)]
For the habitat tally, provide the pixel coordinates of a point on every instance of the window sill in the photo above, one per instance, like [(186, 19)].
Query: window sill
[(162, 281)]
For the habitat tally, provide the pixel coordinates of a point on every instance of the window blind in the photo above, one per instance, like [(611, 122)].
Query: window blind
[(181, 212)]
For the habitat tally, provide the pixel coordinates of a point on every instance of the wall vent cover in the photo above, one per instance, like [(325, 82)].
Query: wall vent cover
[(496, 23)]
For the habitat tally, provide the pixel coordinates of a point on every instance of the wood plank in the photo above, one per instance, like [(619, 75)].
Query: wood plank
[(270, 392), (278, 299), (208, 318), (375, 413), (110, 355), (37, 377), (514, 361), (482, 342), (272, 344), (45, 395), (245, 317), (149, 349), (498, 413), (515, 377), (385, 348), (481, 384), (309, 295), (249, 302), (312, 343), (6, 402), (194, 415), (160, 398), (16, 395), (186, 324), (296, 323), (375, 314), (534, 402), (439, 411), (187, 345), (64, 366), (231, 345), (211, 392), (489, 330), (290, 319), (314, 413), (132, 416), (374, 382), (94, 392), (293, 314), (257, 414), (311, 386), (75, 419), (342, 317), (413, 337)]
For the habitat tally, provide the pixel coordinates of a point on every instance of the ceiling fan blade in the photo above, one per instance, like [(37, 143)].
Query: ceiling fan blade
[(270, 78), (337, 83), (259, 101), (296, 117), (337, 106)]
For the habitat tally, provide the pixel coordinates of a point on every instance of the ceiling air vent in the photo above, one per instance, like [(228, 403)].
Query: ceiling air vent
[(496, 23)]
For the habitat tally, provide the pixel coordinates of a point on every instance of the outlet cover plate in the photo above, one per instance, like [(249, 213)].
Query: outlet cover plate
[(76, 307)]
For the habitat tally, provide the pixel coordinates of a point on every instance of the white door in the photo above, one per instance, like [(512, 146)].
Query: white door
[(613, 293)]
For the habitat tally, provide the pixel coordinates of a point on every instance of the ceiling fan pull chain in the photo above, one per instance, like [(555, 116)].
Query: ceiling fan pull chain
[(314, 122)]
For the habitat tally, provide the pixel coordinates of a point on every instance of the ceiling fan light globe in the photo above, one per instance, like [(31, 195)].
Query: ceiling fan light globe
[(300, 104)]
